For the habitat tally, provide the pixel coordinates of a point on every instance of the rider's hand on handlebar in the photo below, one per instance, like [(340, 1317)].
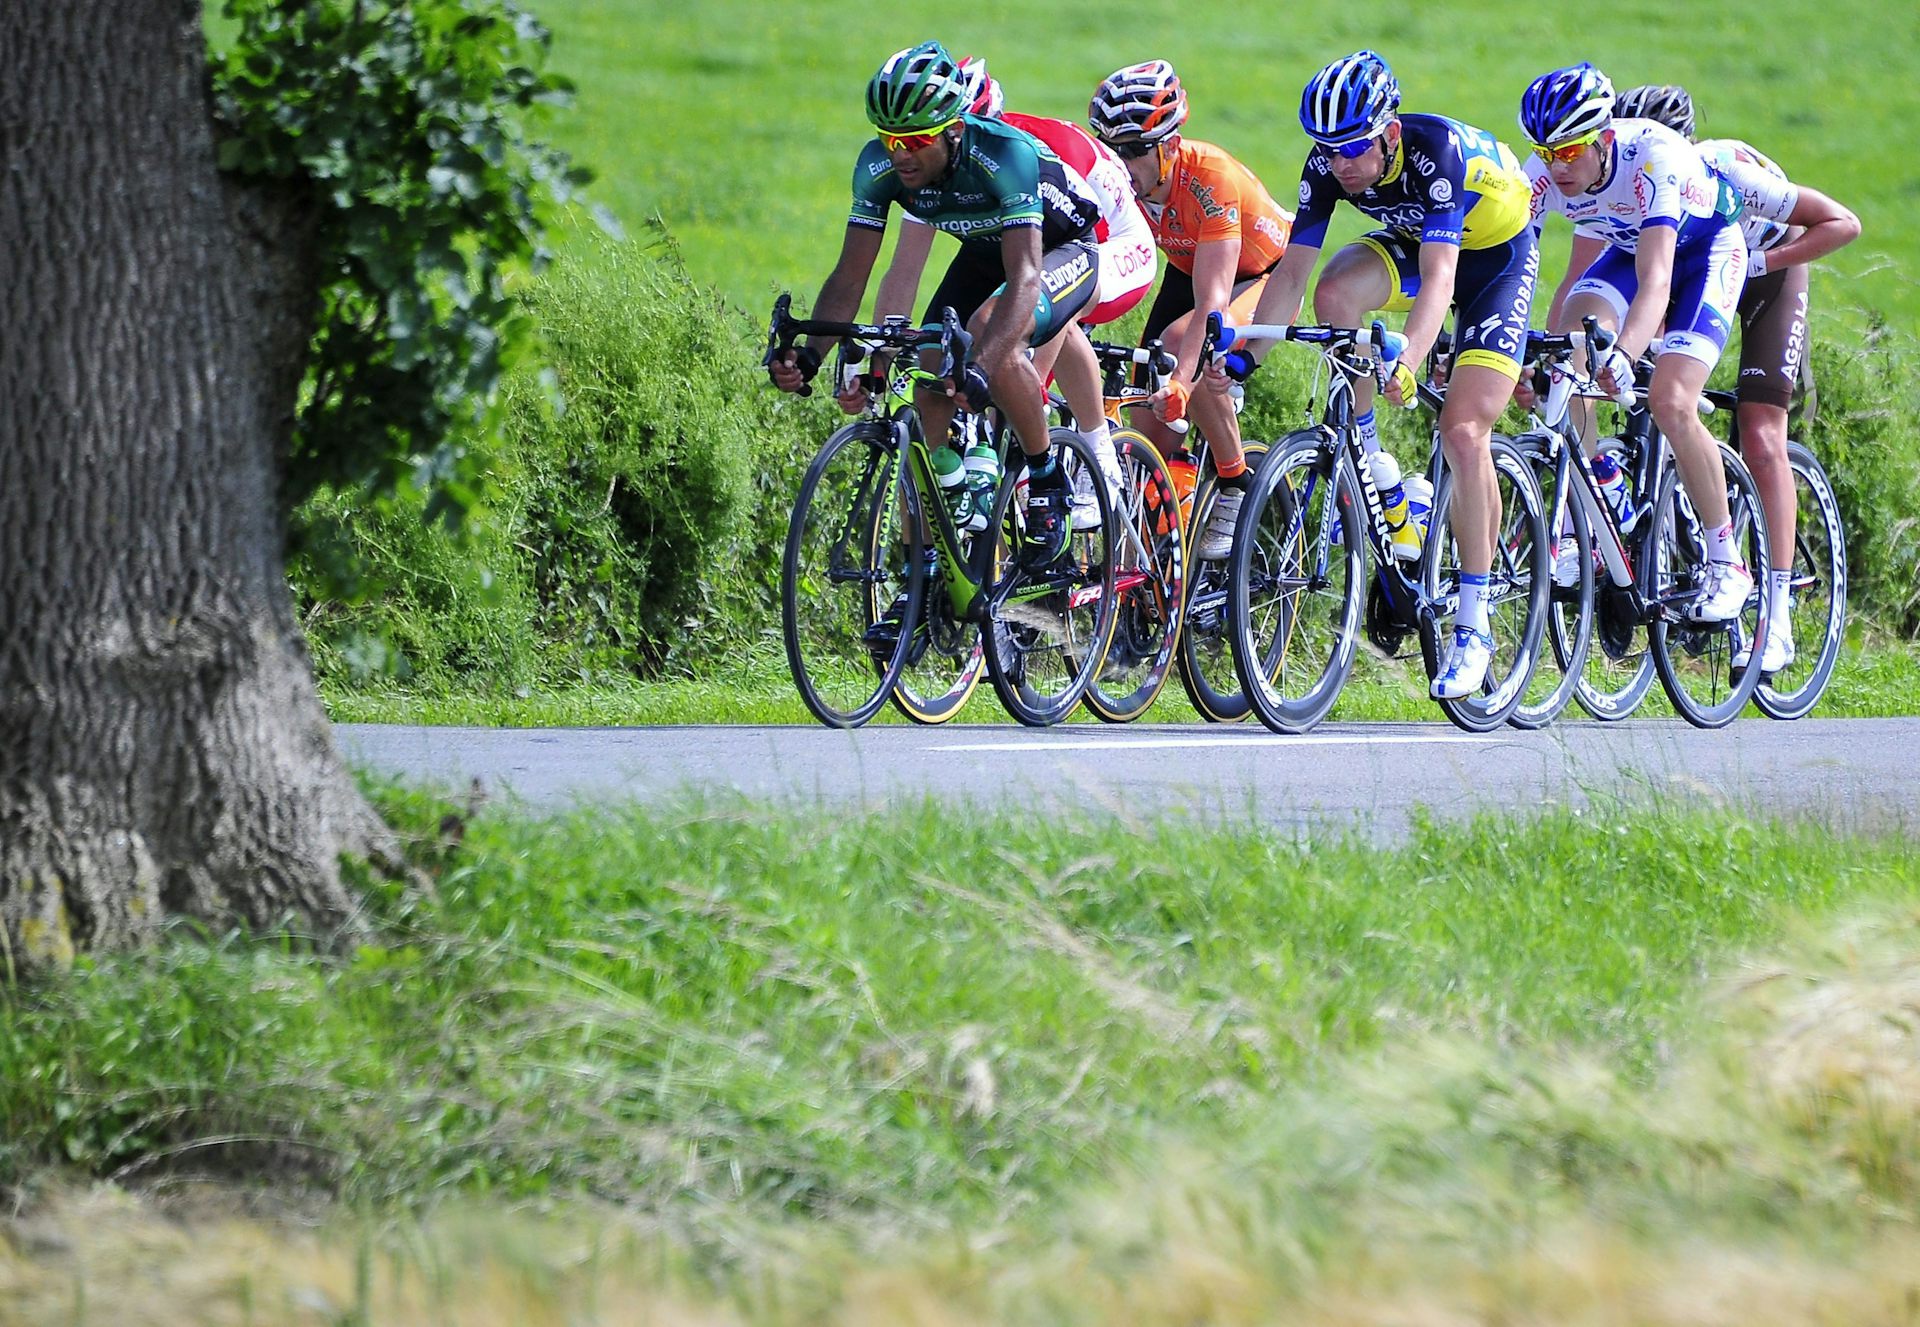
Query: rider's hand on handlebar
[(856, 395), (1235, 364), (1402, 389), (794, 367), (1170, 402), (971, 389), (1524, 394), (1616, 372)]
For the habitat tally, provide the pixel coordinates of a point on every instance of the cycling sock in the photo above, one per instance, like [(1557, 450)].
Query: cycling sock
[(1720, 545), (1235, 471), (1369, 432), (1473, 603), (1043, 469), (1780, 585)]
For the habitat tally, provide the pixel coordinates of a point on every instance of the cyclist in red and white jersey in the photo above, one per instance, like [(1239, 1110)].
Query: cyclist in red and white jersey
[(1126, 261), (1787, 226)]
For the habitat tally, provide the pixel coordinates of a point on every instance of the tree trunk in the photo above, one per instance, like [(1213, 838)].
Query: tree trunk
[(162, 748)]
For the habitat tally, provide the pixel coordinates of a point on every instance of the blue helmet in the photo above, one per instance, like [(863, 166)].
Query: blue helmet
[(1351, 98), (1565, 104)]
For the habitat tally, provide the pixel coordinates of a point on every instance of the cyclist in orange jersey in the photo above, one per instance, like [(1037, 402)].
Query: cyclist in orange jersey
[(1222, 234)]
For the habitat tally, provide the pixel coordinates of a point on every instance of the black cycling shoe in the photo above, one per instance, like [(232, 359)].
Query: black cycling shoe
[(884, 634), (1049, 526)]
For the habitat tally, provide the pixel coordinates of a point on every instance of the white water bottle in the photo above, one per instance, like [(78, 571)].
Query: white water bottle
[(1393, 499)]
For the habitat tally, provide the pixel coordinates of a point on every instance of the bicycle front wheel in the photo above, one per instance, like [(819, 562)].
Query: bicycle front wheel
[(1048, 628), (1149, 582), (1517, 587), (1817, 616), (943, 666), (1695, 659), (1205, 656), (848, 560), (1295, 582), (1569, 627)]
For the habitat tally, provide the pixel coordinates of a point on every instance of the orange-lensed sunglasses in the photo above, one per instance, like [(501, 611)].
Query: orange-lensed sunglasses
[(914, 142), (1567, 151)]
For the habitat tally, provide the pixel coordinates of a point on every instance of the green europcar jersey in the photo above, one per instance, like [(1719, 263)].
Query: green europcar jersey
[(1001, 179)]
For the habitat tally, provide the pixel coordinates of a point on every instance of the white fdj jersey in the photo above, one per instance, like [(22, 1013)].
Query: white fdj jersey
[(1653, 178), (1765, 191)]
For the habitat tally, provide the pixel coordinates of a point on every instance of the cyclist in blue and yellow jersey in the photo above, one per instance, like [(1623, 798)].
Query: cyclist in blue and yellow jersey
[(1672, 253), (1787, 225), (1025, 268), (1452, 203)]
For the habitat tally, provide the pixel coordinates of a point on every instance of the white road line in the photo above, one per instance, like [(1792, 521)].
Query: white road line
[(1250, 739)]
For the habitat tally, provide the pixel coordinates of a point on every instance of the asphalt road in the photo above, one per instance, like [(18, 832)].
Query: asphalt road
[(1844, 772)]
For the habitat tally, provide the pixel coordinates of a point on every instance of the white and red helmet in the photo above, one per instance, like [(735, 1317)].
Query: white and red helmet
[(983, 90)]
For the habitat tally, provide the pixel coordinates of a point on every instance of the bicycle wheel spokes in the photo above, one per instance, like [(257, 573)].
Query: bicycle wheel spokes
[(1619, 667), (1295, 585), (1695, 660), (844, 566), (1517, 586), (1569, 625), (1817, 616), (1048, 628), (1149, 585), (1205, 655)]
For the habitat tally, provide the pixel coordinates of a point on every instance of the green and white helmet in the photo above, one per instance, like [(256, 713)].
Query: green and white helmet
[(917, 89)]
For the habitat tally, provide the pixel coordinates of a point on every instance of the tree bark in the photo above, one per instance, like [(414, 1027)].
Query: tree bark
[(162, 748)]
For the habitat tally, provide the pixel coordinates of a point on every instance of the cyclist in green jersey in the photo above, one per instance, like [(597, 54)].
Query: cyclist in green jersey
[(1026, 264)]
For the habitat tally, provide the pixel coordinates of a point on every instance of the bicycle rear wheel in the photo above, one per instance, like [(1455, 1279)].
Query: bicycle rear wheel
[(847, 561), (1569, 626), (1695, 659), (1047, 631), (1517, 587), (1295, 583), (1818, 616), (1205, 656), (1619, 668), (1149, 583)]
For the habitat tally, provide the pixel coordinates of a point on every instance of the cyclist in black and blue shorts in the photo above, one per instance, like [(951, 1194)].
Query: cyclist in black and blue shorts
[(1452, 203), (1027, 262)]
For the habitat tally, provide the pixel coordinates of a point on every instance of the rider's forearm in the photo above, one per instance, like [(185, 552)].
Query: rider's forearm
[(1819, 240), (1285, 289)]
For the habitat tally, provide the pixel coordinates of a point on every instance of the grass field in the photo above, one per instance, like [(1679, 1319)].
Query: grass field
[(718, 1063), (737, 121)]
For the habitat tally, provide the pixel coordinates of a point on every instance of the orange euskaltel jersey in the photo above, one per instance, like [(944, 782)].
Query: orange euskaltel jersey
[(1214, 197)]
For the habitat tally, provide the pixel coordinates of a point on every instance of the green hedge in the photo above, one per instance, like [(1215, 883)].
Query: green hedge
[(636, 512)]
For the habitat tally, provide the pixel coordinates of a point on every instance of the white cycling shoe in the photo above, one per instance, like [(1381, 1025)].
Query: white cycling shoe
[(1776, 658), (1566, 562), (1217, 541), (1464, 670), (1086, 509), (1723, 593)]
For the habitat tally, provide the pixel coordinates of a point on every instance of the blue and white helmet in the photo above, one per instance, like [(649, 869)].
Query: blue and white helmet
[(1565, 104), (1351, 98)]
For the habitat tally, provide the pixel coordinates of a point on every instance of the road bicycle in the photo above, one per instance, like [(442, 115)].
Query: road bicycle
[(882, 596), (1300, 592), (1636, 578)]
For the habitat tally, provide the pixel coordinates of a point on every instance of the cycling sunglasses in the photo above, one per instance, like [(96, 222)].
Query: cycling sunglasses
[(1567, 151), (1133, 151), (1358, 147), (914, 142)]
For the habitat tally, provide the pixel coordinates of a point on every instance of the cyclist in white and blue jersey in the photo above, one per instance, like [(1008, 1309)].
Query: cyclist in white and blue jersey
[(1675, 256)]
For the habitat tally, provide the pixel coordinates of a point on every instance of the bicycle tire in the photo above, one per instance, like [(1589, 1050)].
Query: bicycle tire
[(1149, 583), (1695, 660), (1819, 579), (1517, 589), (1205, 654), (1043, 649), (1297, 553), (1618, 672), (838, 576), (1569, 624)]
